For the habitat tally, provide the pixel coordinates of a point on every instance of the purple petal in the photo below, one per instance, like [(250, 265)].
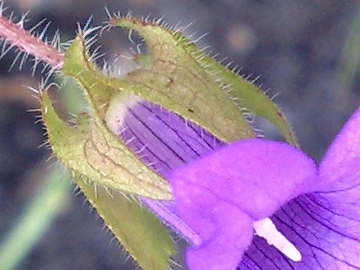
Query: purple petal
[(315, 231), (163, 139), (340, 167), (222, 193), (324, 225)]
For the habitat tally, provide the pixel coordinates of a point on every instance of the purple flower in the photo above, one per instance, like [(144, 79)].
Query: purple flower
[(222, 192)]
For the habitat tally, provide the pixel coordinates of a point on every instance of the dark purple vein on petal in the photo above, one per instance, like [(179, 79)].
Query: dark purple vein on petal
[(139, 145)]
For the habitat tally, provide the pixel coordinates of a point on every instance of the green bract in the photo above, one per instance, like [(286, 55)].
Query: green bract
[(174, 74)]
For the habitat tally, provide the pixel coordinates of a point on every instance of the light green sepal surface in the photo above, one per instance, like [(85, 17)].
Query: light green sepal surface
[(174, 80), (95, 152), (170, 49), (250, 97), (138, 230)]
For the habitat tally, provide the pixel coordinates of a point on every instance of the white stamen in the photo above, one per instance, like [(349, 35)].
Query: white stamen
[(266, 228)]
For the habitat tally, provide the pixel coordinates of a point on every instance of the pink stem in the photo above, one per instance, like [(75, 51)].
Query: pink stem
[(26, 42)]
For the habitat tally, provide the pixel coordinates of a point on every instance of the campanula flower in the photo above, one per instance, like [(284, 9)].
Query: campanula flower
[(158, 134)]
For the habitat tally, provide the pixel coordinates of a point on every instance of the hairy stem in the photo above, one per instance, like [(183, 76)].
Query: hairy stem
[(17, 36)]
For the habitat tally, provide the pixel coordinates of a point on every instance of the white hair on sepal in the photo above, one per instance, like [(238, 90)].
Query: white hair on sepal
[(76, 191), (90, 36), (179, 28), (140, 150), (153, 164), (197, 40), (122, 130), (266, 229), (118, 67), (128, 141), (117, 70), (249, 116), (108, 191)]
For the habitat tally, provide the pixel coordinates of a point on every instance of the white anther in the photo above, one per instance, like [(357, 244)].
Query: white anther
[(266, 228)]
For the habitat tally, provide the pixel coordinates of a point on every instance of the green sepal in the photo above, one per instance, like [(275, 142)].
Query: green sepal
[(248, 96), (138, 230), (174, 80), (93, 151), (185, 52)]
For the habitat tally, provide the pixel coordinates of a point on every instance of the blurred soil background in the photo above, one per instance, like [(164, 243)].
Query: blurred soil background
[(292, 48)]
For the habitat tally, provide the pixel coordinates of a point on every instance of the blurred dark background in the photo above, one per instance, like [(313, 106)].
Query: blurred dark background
[(293, 48)]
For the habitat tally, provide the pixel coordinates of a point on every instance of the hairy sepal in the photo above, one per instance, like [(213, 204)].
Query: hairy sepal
[(176, 57), (93, 151), (175, 80), (244, 93), (250, 97)]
